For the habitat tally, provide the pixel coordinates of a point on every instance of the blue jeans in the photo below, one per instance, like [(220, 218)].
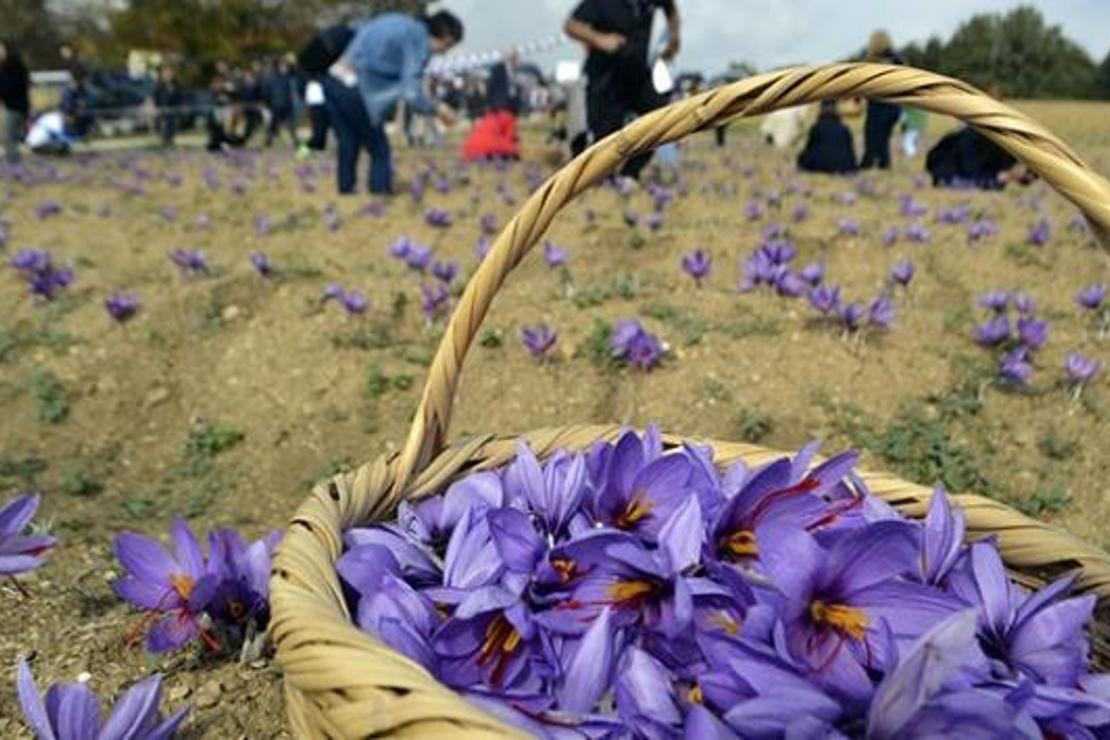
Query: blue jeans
[(353, 130)]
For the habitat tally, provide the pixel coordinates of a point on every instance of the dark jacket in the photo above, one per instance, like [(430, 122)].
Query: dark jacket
[(829, 147), (966, 158), (15, 84)]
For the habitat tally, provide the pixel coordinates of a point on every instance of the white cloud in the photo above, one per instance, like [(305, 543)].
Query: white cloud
[(771, 33)]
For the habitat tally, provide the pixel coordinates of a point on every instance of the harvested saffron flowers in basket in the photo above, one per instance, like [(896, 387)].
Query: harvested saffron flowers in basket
[(629, 592)]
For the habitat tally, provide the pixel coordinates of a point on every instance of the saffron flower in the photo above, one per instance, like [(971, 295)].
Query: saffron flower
[(191, 262), (917, 233), (1092, 297), (43, 276), (261, 264), (800, 213), (635, 346), (813, 273), (72, 712), (554, 255), (438, 218), (997, 301), (1024, 304), (1081, 370), (753, 211), (849, 227), (1041, 233), (698, 264), (1032, 333), (981, 230), (48, 208), (903, 271), (890, 237), (445, 272), (122, 307), (538, 340), (435, 300), (354, 302), (825, 298), (851, 315), (993, 332), (1015, 368), (880, 313), (20, 552), (176, 587)]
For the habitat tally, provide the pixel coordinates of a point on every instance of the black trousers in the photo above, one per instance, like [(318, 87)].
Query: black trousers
[(318, 117), (611, 101), (877, 130), (281, 118)]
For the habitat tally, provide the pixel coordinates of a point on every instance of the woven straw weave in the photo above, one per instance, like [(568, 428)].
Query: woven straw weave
[(342, 683)]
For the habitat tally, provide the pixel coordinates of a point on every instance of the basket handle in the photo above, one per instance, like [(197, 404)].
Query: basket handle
[(1022, 137)]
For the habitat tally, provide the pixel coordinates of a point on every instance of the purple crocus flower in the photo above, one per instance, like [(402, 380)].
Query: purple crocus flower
[(481, 247), (1015, 368), (354, 302), (48, 208), (418, 257), (190, 261), (555, 256), (1024, 304), (177, 586), (825, 298), (845, 606), (445, 272), (880, 313), (1092, 297), (333, 292), (1041, 233), (20, 553), (1081, 370), (789, 283), (910, 208), (635, 345), (1032, 332), (1039, 635), (122, 307), (917, 233), (942, 539), (242, 573), (800, 213), (753, 211), (903, 272), (261, 263), (956, 215), (488, 224), (813, 273), (72, 712), (333, 222), (435, 300), (981, 230), (438, 218), (997, 301), (849, 227), (697, 265), (993, 332), (538, 340), (851, 315)]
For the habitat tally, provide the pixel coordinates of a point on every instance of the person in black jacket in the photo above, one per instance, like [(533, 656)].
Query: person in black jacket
[(15, 100), (618, 36), (967, 159), (829, 147), (278, 89), (167, 98), (881, 117)]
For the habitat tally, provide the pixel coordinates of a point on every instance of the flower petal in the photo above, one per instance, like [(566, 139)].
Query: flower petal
[(134, 712), (17, 514), (144, 558), (187, 549), (681, 537), (588, 674), (30, 701)]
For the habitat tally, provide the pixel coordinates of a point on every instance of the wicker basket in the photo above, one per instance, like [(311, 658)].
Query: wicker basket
[(342, 683)]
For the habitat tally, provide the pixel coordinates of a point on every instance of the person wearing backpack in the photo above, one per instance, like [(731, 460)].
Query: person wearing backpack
[(380, 65)]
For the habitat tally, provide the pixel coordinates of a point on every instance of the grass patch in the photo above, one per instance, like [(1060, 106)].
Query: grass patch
[(53, 406), (81, 485), (597, 347), (492, 338), (1044, 501), (755, 425), (690, 326), (26, 469)]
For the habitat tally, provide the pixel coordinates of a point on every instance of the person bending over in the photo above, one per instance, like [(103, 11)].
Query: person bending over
[(829, 148), (381, 66), (618, 35)]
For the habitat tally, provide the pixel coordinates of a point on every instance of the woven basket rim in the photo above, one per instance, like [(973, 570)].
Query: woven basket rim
[(341, 682)]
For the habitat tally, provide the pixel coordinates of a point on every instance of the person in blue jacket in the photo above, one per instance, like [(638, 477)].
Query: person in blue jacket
[(381, 66), (829, 147)]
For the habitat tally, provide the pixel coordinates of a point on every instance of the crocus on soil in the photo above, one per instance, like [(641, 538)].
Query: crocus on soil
[(19, 551)]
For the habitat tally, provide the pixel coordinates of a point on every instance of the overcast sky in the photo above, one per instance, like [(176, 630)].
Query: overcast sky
[(772, 33)]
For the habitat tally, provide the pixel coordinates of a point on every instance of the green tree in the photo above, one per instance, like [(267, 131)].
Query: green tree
[(1102, 79), (30, 25)]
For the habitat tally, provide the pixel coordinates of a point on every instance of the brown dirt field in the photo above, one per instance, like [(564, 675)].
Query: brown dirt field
[(267, 360)]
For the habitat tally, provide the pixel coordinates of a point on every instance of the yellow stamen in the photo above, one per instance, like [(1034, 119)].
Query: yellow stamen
[(841, 617), (638, 507), (236, 608), (565, 569), (742, 544), (183, 585), (694, 695), (623, 591), (511, 642), (725, 622)]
